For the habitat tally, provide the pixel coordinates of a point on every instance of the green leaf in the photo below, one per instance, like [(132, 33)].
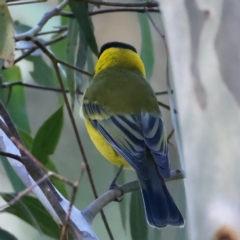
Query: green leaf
[(48, 135), (80, 12), (42, 73), (7, 42), (16, 104), (90, 62), (72, 40), (57, 48), (16, 182), (147, 52), (138, 224), (30, 210), (4, 235), (20, 28), (45, 142), (27, 139)]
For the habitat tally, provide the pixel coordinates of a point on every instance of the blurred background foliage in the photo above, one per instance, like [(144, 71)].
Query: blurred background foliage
[(44, 124)]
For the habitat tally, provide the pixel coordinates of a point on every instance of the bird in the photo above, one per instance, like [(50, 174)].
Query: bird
[(123, 120)]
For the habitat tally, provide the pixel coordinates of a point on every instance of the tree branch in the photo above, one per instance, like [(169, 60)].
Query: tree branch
[(37, 174), (48, 15), (93, 209), (57, 39)]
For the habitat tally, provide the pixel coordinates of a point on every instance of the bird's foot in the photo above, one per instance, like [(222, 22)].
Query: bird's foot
[(114, 186)]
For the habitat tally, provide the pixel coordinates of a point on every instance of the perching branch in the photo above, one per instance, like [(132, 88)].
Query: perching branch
[(92, 210)]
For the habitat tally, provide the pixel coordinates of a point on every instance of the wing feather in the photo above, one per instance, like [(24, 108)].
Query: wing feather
[(130, 135)]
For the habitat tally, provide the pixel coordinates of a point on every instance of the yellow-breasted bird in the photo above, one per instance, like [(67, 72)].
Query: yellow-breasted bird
[(123, 119)]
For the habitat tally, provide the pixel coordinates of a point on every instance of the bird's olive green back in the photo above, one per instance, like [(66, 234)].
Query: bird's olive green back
[(121, 91)]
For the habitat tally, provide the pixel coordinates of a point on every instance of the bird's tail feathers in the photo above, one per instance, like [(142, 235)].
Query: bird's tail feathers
[(160, 209)]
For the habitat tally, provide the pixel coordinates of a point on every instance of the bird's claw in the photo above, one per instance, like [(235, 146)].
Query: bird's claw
[(114, 186)]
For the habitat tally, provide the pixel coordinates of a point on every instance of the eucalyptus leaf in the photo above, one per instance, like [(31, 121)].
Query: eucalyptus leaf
[(82, 54), (27, 139), (30, 210), (80, 12), (45, 142), (57, 48), (7, 42), (20, 27), (90, 62), (15, 98), (47, 136), (72, 44), (42, 73), (147, 50), (5, 235), (16, 182), (138, 224)]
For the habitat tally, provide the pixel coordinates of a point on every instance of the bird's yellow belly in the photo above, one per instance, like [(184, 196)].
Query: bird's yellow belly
[(104, 147)]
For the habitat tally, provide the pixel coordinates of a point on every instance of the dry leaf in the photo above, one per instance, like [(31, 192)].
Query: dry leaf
[(7, 42)]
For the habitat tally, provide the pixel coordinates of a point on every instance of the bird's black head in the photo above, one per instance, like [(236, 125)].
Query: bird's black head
[(116, 45)]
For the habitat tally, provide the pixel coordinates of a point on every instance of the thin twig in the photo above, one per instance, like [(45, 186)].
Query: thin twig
[(42, 87), (13, 3), (162, 92), (23, 160), (149, 4), (112, 10), (27, 53), (165, 106), (50, 42), (169, 138), (25, 191), (170, 135), (75, 188), (74, 68), (35, 86), (55, 65), (52, 31), (48, 15), (158, 31)]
